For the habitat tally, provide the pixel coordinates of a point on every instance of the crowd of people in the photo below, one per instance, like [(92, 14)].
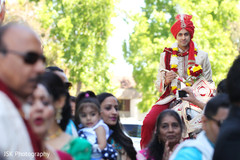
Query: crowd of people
[(36, 110), (40, 120)]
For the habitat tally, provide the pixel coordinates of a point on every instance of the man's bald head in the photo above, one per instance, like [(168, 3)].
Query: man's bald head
[(22, 34), (16, 41)]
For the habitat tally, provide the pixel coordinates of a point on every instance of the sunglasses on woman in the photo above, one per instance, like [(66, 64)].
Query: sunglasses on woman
[(30, 57)]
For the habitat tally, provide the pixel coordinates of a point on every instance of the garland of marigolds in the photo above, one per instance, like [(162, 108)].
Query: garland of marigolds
[(193, 71)]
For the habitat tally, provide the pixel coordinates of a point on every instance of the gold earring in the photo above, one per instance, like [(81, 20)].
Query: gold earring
[(59, 115)]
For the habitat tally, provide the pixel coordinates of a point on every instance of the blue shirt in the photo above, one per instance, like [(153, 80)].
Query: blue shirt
[(190, 153), (71, 126)]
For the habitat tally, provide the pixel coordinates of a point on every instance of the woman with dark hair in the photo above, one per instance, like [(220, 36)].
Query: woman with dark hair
[(42, 113), (110, 115), (68, 126), (65, 112), (91, 126), (56, 137), (168, 133)]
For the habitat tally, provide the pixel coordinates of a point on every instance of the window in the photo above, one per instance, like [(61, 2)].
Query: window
[(133, 130), (124, 104)]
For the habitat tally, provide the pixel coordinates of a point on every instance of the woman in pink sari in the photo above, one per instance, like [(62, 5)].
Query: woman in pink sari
[(168, 133)]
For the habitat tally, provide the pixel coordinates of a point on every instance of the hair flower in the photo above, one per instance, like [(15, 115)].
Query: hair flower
[(86, 95)]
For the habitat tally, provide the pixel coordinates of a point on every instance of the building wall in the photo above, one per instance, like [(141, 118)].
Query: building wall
[(134, 112)]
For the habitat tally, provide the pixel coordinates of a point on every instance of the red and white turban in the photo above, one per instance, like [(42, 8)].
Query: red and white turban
[(184, 22)]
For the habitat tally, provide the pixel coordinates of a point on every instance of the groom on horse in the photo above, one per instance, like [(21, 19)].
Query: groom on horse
[(182, 62)]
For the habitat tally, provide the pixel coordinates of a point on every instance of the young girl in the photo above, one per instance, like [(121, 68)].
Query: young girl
[(92, 126), (48, 97)]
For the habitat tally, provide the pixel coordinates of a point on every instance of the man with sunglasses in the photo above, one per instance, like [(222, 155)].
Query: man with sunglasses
[(21, 62), (228, 141), (202, 147)]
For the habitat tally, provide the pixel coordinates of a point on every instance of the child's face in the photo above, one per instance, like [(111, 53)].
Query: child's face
[(89, 116)]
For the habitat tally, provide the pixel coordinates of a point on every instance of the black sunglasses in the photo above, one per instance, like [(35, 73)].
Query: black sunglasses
[(30, 57), (219, 122)]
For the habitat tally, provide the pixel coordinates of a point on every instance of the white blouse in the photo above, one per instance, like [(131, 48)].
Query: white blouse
[(91, 134)]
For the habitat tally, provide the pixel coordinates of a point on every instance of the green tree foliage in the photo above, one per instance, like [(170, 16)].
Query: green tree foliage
[(235, 33), (152, 34), (77, 32)]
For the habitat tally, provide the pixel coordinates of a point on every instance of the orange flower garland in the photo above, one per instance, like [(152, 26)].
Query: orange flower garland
[(193, 71)]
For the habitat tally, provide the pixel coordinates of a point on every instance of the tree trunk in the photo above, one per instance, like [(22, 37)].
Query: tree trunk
[(79, 86)]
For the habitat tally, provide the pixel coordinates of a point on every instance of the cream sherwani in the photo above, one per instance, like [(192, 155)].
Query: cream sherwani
[(201, 59)]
